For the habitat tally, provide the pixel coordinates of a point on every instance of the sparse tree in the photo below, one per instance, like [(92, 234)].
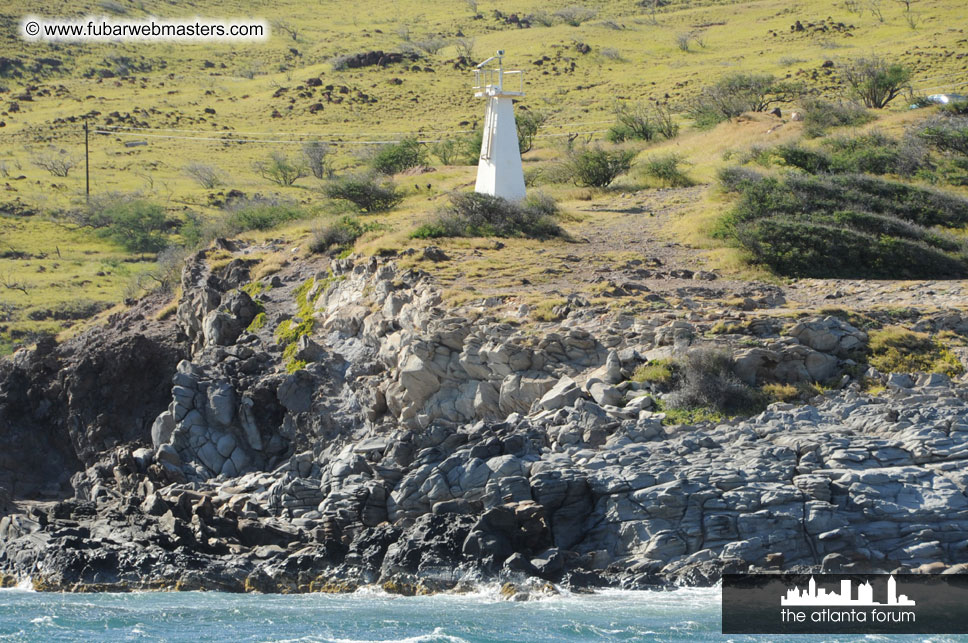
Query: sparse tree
[(58, 163), (206, 175), (875, 8), (287, 27), (682, 41), (738, 93), (431, 45), (280, 169), (10, 283), (465, 48), (315, 153), (168, 267), (528, 124), (595, 167), (574, 15), (875, 81)]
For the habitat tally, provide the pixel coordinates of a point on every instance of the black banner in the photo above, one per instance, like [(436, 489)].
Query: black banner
[(845, 604)]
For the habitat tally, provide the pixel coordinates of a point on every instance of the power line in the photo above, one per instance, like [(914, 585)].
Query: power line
[(240, 140), (198, 131), (925, 89), (314, 134), (291, 142)]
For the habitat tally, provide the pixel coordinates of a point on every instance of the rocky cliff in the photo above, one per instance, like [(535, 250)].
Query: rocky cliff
[(338, 425)]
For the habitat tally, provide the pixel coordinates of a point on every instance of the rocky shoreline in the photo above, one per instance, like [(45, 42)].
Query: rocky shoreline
[(338, 426)]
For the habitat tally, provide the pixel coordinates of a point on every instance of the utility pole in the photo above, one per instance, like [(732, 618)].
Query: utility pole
[(87, 167)]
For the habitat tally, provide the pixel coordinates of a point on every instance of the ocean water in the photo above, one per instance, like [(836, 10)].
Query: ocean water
[(681, 615)]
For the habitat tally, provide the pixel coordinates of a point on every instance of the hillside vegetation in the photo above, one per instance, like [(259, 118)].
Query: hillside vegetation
[(348, 130)]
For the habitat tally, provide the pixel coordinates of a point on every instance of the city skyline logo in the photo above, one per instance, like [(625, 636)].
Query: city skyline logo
[(814, 596)]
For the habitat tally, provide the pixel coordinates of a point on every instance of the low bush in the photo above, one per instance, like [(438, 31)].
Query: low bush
[(875, 81), (897, 350), (806, 248), (819, 115), (849, 225), (739, 93), (706, 380), (956, 108), (665, 169), (806, 159), (471, 214), (396, 157), (641, 123), (135, 224), (365, 191), (206, 175), (875, 153), (338, 234), (596, 167), (871, 153), (574, 15), (259, 214), (658, 371), (240, 215), (280, 169), (733, 178), (946, 134)]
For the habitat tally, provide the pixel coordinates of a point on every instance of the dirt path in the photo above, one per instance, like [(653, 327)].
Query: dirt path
[(623, 248)]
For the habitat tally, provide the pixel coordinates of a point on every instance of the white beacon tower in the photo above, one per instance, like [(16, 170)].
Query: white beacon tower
[(499, 172)]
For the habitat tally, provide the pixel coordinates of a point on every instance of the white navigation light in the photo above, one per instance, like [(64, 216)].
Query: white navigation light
[(499, 171)]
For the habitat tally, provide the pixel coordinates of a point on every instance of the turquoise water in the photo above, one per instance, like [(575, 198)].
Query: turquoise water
[(611, 616), (686, 614)]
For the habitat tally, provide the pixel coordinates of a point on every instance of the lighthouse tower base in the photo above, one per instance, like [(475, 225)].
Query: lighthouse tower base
[(499, 172)]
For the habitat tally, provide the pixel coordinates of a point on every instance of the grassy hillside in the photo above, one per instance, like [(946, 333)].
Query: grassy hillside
[(231, 106)]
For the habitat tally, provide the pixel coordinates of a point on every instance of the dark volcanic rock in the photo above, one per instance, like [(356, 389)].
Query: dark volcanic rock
[(61, 406)]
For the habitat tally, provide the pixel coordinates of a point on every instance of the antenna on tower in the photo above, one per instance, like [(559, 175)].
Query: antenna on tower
[(499, 171)]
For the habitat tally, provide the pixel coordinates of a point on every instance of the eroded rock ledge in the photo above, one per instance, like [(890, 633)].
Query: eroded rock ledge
[(343, 427)]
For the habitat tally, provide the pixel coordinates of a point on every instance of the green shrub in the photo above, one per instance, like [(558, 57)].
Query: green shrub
[(263, 215), (633, 123), (946, 134), (471, 214), (528, 124), (898, 350), (665, 168), (707, 381), (737, 179), (641, 123), (805, 248), (459, 151), (281, 169), (339, 234), (365, 191), (873, 153), (875, 81), (660, 371), (396, 157), (849, 226), (596, 167), (957, 108), (820, 115), (135, 224), (803, 158), (733, 95), (859, 192)]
